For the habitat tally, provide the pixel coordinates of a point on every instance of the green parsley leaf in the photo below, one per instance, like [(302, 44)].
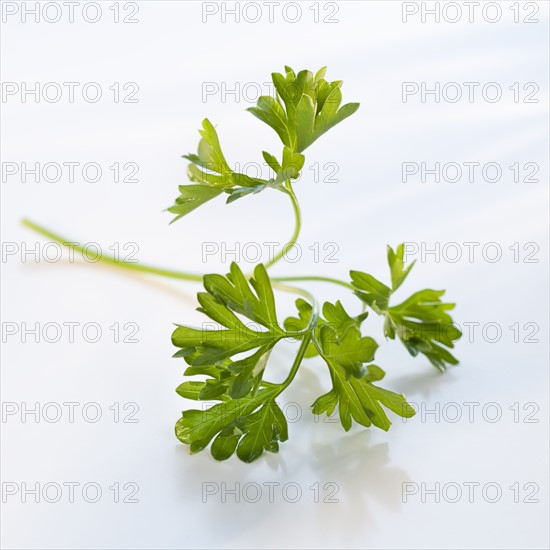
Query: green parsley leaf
[(305, 107), (346, 353), (248, 426), (421, 322), (214, 350), (397, 266), (212, 175), (249, 421)]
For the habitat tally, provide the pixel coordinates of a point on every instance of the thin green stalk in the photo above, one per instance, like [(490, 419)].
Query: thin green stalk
[(297, 362), (314, 278), (297, 226), (308, 296), (305, 333), (109, 259), (169, 272)]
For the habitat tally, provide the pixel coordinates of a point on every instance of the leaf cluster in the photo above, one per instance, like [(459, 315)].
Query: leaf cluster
[(421, 322), (232, 352), (304, 107)]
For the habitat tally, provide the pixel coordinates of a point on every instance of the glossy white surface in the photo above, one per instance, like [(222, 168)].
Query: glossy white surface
[(170, 53)]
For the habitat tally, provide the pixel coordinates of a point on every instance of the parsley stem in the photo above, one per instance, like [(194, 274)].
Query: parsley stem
[(169, 272), (309, 297), (314, 278), (297, 362), (92, 255), (297, 226)]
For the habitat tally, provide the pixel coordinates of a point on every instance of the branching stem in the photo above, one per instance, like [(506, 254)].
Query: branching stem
[(170, 272), (297, 226)]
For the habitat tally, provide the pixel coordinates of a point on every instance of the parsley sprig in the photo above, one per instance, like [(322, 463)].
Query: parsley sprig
[(230, 353)]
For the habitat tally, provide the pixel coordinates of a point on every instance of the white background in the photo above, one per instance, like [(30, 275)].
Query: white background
[(170, 53)]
